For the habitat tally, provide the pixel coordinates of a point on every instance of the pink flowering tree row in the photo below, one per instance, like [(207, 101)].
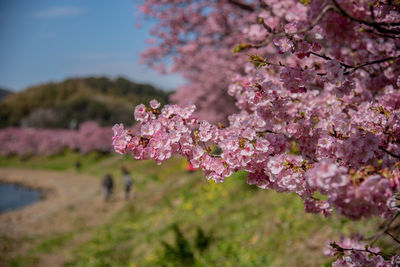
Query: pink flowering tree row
[(27, 142), (316, 86)]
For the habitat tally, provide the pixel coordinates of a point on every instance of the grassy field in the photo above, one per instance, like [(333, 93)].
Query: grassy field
[(181, 219)]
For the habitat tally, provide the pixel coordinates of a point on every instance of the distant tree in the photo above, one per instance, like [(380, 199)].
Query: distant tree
[(26, 142)]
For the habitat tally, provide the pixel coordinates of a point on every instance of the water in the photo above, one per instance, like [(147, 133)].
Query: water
[(15, 196)]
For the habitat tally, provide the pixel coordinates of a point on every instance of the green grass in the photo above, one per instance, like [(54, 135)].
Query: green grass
[(242, 225), (250, 227), (53, 243), (62, 162)]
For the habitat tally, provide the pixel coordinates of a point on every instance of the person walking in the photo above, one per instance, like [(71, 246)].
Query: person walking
[(127, 182), (108, 185)]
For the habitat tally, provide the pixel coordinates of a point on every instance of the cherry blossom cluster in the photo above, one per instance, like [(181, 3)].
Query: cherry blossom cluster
[(273, 160), (316, 88), (353, 252), (343, 34), (27, 142)]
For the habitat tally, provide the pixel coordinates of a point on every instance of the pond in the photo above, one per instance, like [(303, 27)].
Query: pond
[(13, 196)]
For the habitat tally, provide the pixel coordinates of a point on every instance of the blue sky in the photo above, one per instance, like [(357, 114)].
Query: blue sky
[(50, 40)]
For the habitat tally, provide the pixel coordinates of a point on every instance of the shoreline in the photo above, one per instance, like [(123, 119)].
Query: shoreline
[(43, 192), (58, 191), (73, 203)]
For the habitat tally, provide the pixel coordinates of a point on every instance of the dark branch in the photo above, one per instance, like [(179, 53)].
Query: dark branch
[(386, 227), (354, 68), (241, 5), (376, 25), (372, 62), (392, 236), (341, 249), (268, 28), (381, 34), (328, 58), (390, 153)]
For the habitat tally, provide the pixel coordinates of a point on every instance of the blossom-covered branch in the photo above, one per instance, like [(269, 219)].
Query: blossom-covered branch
[(316, 87), (351, 252), (379, 26)]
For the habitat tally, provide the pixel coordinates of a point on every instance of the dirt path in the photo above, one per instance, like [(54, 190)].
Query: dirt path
[(72, 202)]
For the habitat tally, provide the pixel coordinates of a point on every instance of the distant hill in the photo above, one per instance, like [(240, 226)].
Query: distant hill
[(4, 93), (60, 105)]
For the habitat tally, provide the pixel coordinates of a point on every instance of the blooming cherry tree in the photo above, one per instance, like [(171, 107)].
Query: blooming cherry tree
[(316, 88), (26, 142)]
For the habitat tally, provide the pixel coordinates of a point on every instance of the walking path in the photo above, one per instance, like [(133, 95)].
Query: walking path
[(72, 201)]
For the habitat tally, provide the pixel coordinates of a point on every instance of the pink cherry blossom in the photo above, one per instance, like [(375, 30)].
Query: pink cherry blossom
[(307, 96)]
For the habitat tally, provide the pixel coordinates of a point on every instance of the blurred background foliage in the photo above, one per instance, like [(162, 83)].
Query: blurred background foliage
[(55, 105), (181, 219)]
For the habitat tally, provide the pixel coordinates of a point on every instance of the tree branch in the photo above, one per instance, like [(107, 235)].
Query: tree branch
[(315, 22), (328, 58), (390, 153), (392, 236), (241, 5), (354, 68), (371, 62), (341, 249), (386, 227), (376, 25)]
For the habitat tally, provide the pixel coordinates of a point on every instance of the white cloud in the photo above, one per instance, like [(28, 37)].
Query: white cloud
[(59, 11)]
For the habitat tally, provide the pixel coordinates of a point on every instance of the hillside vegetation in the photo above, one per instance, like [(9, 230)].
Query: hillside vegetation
[(57, 105)]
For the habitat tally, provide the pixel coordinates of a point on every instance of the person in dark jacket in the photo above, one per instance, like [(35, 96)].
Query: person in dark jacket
[(127, 182), (108, 185)]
